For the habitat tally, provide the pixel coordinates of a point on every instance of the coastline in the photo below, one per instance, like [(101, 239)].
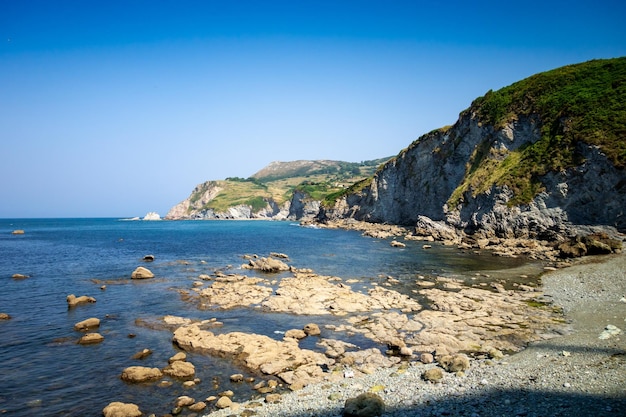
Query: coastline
[(575, 374)]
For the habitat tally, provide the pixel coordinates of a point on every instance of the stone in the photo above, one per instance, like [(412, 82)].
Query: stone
[(427, 357), (90, 323), (236, 378), (119, 409), (199, 406), (91, 339), (406, 351), (141, 273), (5, 316), (396, 244), (272, 398), (295, 334), (433, 375), (180, 369), (148, 258), (180, 356), (142, 354), (312, 329), (455, 363), (364, 405), (73, 301), (136, 374), (18, 232), (267, 265), (20, 276), (184, 401), (223, 402)]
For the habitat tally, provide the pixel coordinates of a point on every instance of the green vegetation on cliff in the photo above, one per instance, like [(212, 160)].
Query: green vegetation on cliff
[(582, 103)]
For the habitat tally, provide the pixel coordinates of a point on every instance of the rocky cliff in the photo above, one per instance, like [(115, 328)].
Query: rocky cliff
[(538, 159)]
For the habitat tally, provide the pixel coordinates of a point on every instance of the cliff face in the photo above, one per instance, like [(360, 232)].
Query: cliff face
[(473, 175)]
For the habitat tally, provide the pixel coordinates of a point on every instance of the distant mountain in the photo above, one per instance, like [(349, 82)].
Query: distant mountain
[(270, 192)]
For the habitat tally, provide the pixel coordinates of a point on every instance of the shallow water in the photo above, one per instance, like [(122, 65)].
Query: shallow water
[(44, 370)]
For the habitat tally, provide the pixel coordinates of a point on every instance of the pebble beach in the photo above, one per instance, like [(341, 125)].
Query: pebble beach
[(579, 373)]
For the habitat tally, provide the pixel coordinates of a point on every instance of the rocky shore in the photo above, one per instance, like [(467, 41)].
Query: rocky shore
[(580, 373)]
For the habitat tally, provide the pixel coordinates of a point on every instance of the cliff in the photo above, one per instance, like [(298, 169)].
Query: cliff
[(542, 158)]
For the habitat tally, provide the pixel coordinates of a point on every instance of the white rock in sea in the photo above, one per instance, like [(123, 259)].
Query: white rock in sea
[(152, 216)]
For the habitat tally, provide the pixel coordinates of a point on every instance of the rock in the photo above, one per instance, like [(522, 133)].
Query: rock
[(199, 406), (180, 356), (223, 402), (5, 316), (20, 276), (180, 369), (267, 265), (73, 301), (184, 401), (433, 375), (152, 216), (454, 363), (142, 354), (396, 244), (427, 358), (119, 409), (406, 351), (609, 331), (148, 258), (272, 398), (136, 374), (90, 323), (141, 273), (17, 232), (236, 378), (312, 329), (295, 334), (365, 405), (91, 339)]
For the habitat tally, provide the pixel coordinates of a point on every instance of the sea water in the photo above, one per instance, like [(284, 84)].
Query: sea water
[(43, 371)]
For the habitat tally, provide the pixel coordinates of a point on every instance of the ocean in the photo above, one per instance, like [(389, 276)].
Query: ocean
[(45, 372)]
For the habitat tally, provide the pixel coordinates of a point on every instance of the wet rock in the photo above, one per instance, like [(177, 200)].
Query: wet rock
[(224, 402), (148, 258), (180, 356), (267, 265), (396, 244), (142, 354), (90, 323), (5, 316), (312, 329), (136, 374), (199, 406), (119, 409), (236, 378), (141, 273), (91, 339), (180, 369), (295, 334), (364, 405), (184, 401), (17, 232), (272, 398), (20, 276), (427, 358), (73, 301)]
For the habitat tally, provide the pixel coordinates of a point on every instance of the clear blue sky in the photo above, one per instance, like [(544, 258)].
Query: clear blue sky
[(116, 108)]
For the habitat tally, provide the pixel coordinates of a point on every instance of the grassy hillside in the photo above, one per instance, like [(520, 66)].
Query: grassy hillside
[(279, 180), (577, 103)]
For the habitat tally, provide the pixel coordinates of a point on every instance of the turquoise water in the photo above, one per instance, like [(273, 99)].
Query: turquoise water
[(44, 370)]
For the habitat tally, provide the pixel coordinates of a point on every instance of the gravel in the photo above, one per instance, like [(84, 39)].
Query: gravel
[(576, 374)]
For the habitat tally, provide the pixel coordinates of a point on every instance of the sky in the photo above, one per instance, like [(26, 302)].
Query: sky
[(117, 108)]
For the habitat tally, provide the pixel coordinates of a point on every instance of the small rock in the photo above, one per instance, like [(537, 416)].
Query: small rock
[(180, 369), (272, 398), (141, 273), (295, 334), (455, 363), (566, 353), (143, 354), (432, 375), (184, 401), (118, 409), (406, 351), (87, 324), (236, 378), (90, 339), (5, 316), (427, 358), (148, 258), (20, 276), (189, 384), (17, 232), (141, 374), (365, 405), (224, 402), (199, 406), (180, 356), (73, 301), (312, 329)]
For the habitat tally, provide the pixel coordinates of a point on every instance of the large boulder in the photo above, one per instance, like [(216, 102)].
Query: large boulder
[(267, 265), (119, 409), (365, 405), (91, 339), (142, 273), (180, 369), (138, 374)]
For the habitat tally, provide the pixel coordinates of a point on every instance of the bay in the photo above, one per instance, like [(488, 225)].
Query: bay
[(45, 371)]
